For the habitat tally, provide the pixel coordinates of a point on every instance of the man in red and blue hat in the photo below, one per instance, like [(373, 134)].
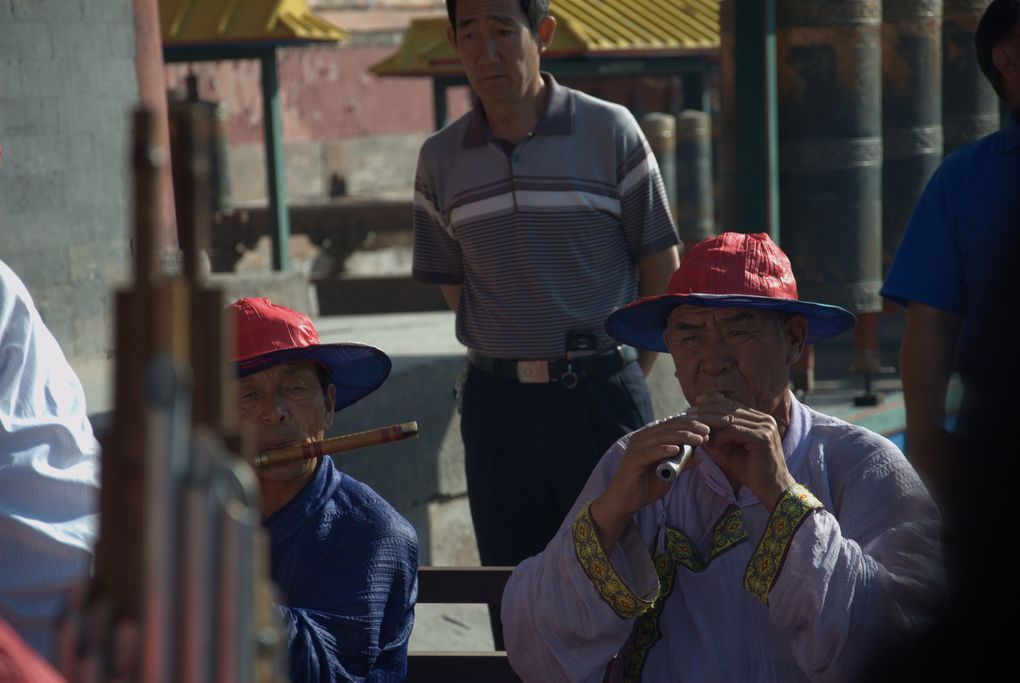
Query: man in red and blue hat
[(344, 560), (789, 545)]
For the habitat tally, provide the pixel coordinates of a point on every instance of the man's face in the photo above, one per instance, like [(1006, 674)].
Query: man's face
[(1007, 59), (286, 405), (498, 50), (742, 353)]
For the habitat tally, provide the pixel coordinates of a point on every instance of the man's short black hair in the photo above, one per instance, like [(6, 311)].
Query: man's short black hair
[(998, 23), (534, 10)]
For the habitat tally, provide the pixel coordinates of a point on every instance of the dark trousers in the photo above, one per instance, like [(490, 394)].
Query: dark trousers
[(529, 449)]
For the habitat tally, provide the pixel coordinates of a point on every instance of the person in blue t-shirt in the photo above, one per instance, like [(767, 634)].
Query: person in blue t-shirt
[(345, 561), (969, 210)]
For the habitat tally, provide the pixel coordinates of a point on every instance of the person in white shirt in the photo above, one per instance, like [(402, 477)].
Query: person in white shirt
[(49, 477)]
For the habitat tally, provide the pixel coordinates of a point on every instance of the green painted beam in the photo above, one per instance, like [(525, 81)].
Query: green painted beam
[(279, 221), (757, 173)]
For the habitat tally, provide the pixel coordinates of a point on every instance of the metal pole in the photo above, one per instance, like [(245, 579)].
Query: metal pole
[(751, 163), (439, 102), (695, 206), (279, 222), (660, 131)]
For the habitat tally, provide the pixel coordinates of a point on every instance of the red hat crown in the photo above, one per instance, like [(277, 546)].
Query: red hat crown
[(263, 327), (735, 264)]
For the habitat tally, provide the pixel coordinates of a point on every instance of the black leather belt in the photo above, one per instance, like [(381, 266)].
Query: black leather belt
[(565, 371)]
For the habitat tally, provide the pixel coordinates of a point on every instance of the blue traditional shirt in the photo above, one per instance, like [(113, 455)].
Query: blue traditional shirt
[(346, 564)]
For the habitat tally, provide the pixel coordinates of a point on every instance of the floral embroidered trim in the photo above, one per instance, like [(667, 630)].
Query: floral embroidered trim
[(598, 568), (729, 532), (646, 629), (791, 510), (679, 551)]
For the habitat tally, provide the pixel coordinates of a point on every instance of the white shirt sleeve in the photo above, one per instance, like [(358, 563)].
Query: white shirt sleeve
[(48, 471), (559, 625)]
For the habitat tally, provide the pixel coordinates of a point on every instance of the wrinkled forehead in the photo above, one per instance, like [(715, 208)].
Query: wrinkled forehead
[(699, 316), (304, 369)]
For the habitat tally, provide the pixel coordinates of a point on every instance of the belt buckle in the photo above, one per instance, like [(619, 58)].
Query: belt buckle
[(533, 371)]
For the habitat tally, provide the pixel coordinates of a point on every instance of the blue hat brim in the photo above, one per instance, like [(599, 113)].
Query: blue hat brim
[(641, 323), (356, 370)]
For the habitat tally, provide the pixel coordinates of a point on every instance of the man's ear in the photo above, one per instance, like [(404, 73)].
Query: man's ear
[(451, 37), (796, 337), (330, 404), (1002, 59), (546, 32)]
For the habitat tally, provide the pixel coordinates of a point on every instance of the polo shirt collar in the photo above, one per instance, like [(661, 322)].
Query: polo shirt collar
[(557, 119), (1011, 133)]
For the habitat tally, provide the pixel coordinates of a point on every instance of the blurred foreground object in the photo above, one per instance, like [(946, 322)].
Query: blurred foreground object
[(181, 589)]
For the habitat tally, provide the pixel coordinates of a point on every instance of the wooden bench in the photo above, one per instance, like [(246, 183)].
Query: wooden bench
[(461, 585)]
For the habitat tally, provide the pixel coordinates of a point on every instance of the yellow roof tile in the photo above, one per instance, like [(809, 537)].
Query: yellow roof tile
[(601, 28), (212, 22)]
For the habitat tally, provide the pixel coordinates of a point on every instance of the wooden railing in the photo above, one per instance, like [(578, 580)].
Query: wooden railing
[(461, 585)]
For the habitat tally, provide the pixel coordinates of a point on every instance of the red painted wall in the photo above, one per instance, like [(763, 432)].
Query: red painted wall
[(327, 93)]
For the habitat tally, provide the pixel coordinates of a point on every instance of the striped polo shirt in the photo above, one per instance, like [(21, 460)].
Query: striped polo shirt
[(544, 236)]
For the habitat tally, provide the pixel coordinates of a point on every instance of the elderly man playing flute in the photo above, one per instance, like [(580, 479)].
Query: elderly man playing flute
[(789, 546), (345, 562)]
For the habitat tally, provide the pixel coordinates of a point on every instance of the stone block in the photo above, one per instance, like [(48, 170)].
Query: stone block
[(374, 164), (26, 116), (53, 11), (92, 113), (26, 41), (113, 78), (31, 193), (246, 165), (303, 171), (118, 12), (46, 78), (73, 300), (92, 189), (120, 40), (305, 177), (97, 263), (37, 268), (80, 41), (93, 335), (10, 78), (42, 153)]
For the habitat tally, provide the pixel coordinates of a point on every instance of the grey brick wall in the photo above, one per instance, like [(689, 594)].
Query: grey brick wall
[(67, 86)]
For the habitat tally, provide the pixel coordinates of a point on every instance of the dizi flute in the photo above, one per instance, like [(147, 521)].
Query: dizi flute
[(338, 444), (669, 468)]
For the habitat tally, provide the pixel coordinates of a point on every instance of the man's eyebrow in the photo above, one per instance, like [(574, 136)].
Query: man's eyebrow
[(681, 325), (506, 20)]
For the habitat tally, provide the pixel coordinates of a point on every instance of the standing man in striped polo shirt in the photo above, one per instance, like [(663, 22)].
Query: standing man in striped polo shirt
[(537, 213)]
